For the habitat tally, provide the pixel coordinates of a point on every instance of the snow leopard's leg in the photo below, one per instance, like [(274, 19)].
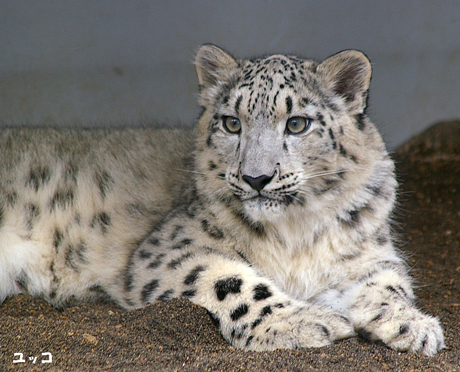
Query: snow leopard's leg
[(381, 307), (251, 313)]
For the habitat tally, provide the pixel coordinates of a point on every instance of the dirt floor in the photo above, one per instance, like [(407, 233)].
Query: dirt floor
[(178, 336)]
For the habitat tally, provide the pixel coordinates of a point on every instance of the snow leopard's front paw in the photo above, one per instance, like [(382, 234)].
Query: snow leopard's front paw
[(401, 327), (306, 326)]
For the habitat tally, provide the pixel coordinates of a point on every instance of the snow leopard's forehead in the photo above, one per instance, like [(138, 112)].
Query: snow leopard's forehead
[(274, 87), (286, 68)]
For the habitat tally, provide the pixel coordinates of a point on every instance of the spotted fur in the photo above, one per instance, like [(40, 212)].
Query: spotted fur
[(273, 213)]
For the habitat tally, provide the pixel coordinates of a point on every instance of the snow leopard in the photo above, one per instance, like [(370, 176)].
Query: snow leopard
[(273, 212)]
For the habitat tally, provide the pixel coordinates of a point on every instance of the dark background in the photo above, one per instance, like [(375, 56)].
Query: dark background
[(117, 62)]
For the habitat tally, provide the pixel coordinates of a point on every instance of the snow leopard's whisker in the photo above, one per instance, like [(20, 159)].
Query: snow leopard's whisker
[(310, 192), (219, 192), (189, 171), (304, 192), (295, 198), (325, 174), (196, 172)]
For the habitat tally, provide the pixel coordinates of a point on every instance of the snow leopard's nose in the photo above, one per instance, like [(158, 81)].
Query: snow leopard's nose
[(258, 183)]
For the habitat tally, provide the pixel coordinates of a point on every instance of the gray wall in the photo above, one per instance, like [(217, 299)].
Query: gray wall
[(115, 62)]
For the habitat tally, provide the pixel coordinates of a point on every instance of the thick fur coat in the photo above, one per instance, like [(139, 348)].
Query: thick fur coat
[(273, 213)]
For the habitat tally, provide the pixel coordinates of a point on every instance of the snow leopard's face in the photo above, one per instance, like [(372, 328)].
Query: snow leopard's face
[(280, 131)]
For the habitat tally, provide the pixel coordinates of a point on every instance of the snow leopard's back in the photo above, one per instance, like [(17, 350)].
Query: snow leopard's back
[(74, 203)]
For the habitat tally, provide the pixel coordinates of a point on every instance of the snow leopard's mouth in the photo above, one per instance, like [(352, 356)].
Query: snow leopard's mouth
[(270, 197), (262, 202)]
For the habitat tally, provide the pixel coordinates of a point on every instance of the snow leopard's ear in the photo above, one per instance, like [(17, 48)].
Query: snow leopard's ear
[(213, 65), (348, 74)]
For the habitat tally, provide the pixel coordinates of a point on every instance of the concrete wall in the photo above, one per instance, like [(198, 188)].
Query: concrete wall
[(118, 62)]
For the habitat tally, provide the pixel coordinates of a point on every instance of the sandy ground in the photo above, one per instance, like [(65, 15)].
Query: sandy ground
[(179, 336)]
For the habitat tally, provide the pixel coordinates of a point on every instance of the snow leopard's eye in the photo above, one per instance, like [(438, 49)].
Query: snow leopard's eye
[(297, 125), (231, 124)]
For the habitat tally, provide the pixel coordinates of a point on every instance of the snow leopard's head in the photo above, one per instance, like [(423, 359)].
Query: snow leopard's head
[(282, 131)]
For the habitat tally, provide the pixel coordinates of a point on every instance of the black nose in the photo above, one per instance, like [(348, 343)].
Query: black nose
[(257, 183)]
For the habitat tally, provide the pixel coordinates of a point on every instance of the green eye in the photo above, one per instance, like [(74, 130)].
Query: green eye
[(297, 125), (231, 124)]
